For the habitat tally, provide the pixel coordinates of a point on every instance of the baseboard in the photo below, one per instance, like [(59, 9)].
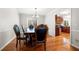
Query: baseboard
[(7, 43), (74, 46)]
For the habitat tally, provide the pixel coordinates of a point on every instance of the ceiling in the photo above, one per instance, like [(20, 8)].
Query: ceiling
[(43, 11), (40, 11)]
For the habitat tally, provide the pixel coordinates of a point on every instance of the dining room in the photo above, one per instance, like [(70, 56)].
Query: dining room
[(31, 20), (31, 29), (28, 28)]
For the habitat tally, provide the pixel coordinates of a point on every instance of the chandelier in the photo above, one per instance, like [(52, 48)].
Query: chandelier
[(35, 13)]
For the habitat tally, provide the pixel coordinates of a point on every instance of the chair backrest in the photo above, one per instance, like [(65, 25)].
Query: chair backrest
[(17, 30), (41, 33), (22, 28), (31, 27)]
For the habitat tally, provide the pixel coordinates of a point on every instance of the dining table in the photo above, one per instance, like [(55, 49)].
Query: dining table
[(29, 32)]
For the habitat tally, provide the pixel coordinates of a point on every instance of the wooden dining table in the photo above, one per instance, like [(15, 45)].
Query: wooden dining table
[(29, 32)]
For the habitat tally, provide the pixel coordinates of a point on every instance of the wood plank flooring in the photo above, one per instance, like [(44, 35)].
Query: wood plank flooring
[(58, 43)]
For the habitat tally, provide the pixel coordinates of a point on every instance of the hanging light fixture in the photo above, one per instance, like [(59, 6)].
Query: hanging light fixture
[(35, 17), (36, 14)]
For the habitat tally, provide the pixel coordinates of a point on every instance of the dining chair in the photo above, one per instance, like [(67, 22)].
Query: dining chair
[(31, 27), (24, 34), (41, 32), (19, 37)]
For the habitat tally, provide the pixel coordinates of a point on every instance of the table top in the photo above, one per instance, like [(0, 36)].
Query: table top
[(29, 30)]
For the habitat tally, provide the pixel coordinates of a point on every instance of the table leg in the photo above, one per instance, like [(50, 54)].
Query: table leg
[(30, 40)]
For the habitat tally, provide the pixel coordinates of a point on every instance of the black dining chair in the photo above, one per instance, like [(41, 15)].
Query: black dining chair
[(19, 37), (24, 34), (31, 27), (41, 33)]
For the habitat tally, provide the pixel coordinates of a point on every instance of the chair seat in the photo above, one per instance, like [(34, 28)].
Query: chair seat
[(40, 41), (22, 37)]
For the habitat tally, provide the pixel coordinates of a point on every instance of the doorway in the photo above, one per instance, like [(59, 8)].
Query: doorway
[(62, 27)]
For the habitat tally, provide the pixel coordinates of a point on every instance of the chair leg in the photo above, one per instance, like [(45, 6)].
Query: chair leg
[(24, 42), (20, 43), (45, 46), (16, 43)]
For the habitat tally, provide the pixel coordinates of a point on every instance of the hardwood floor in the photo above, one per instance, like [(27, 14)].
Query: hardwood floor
[(58, 43)]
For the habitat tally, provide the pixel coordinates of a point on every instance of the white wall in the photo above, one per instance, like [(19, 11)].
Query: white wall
[(75, 27), (8, 17), (50, 22), (41, 20)]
